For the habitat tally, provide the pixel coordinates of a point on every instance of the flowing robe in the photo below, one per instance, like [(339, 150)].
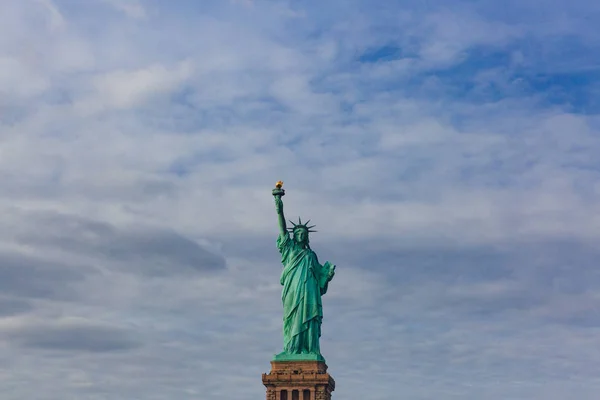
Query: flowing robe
[(304, 281)]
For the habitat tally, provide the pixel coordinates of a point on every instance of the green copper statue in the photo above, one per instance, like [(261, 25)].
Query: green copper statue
[(304, 281)]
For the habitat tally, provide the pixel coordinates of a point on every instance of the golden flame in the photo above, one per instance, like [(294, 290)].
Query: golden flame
[(279, 184)]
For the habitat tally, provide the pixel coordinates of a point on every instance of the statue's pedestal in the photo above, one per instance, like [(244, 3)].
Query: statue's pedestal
[(298, 380)]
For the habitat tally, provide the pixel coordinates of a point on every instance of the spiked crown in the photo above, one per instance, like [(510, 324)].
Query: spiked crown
[(301, 225)]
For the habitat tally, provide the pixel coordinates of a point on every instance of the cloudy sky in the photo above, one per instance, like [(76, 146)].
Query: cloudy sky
[(446, 150)]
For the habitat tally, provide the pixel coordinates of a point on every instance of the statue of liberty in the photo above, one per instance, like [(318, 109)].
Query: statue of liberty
[(304, 281)]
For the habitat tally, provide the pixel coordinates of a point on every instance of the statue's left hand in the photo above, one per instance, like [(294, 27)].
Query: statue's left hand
[(331, 272)]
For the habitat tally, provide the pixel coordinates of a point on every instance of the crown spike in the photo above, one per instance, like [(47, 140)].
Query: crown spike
[(292, 222)]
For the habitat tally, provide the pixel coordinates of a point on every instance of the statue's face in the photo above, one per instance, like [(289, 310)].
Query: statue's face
[(301, 236)]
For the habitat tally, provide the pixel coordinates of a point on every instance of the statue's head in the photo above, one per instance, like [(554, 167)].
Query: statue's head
[(300, 232), (301, 235)]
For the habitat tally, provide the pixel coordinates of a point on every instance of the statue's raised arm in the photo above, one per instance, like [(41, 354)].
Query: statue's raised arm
[(278, 192)]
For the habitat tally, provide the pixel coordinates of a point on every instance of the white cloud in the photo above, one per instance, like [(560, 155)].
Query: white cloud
[(455, 32), (126, 89), (131, 8), (20, 81), (56, 20)]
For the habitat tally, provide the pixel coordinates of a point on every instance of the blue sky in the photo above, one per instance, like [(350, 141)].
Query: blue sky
[(446, 150)]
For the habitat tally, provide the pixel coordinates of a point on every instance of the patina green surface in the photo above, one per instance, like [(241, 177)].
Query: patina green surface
[(304, 281)]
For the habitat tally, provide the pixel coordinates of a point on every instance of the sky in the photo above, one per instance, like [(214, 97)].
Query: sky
[(446, 151)]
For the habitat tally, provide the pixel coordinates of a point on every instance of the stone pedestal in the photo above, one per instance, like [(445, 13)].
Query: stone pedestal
[(298, 380)]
